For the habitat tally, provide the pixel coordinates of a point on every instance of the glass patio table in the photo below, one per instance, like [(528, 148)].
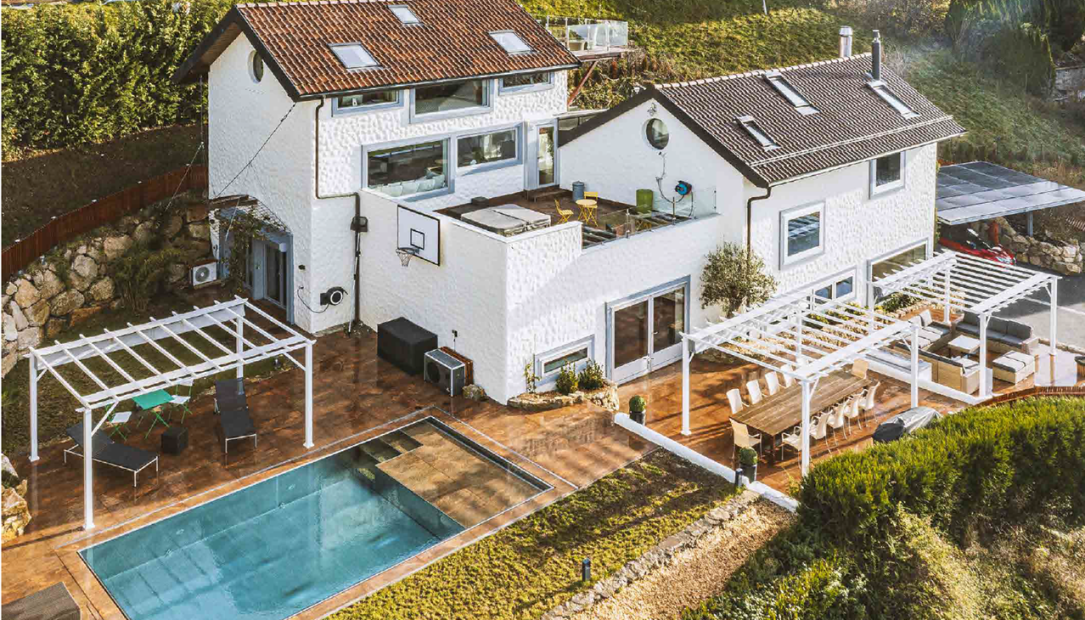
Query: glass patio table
[(151, 401)]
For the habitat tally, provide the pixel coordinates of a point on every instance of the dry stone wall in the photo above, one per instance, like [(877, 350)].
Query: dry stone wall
[(1064, 258), (72, 283)]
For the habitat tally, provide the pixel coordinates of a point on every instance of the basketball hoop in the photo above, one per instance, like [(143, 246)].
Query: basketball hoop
[(406, 254)]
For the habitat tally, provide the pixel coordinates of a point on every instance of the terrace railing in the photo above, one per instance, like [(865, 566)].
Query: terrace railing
[(665, 212), (587, 35)]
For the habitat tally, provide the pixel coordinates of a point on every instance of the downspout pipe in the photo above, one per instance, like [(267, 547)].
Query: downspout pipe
[(749, 225), (357, 320)]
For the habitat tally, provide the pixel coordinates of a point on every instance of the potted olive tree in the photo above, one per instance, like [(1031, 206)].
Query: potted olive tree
[(637, 407), (747, 461)]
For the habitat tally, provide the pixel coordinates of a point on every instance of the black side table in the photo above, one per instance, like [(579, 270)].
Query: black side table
[(174, 440)]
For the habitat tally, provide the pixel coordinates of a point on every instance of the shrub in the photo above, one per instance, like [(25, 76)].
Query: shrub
[(531, 379), (734, 279), (747, 457), (637, 404), (139, 274), (592, 377), (567, 381)]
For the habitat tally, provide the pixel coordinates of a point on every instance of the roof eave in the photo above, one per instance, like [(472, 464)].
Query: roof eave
[(401, 85)]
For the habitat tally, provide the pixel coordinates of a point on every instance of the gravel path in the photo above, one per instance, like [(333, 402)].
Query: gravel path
[(696, 573)]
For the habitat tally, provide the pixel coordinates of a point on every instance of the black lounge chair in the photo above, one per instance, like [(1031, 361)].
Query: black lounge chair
[(52, 603), (230, 395), (236, 425), (113, 454)]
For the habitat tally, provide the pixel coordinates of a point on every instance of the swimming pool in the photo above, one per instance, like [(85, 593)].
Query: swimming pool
[(277, 547)]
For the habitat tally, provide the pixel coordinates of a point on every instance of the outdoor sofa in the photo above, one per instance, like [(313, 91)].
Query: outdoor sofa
[(1002, 334), (107, 452), (932, 334), (959, 373)]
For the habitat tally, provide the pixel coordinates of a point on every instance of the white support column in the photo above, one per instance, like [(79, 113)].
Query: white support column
[(915, 367), (33, 408), (88, 469), (309, 395), (1054, 291), (807, 394), (241, 347), (685, 385), (984, 319), (946, 302)]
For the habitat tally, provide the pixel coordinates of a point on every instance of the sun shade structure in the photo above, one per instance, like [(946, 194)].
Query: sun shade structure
[(981, 191), (962, 283), (802, 336), (227, 318)]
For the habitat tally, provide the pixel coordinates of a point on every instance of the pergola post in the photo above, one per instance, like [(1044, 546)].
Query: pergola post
[(33, 408), (984, 319), (685, 385), (240, 346), (309, 395), (1054, 292), (915, 367), (946, 301), (807, 394), (88, 469)]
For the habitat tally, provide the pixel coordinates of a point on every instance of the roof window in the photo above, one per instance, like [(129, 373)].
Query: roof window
[(782, 86), (511, 42), (757, 133), (353, 55), (405, 14), (883, 91)]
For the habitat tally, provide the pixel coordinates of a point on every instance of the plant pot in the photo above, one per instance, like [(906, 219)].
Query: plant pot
[(637, 416)]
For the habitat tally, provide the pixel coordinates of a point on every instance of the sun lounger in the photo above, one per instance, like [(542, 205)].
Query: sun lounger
[(230, 395), (113, 454), (236, 425)]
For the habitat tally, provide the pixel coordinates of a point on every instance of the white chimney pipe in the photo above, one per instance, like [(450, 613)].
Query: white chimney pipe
[(845, 41)]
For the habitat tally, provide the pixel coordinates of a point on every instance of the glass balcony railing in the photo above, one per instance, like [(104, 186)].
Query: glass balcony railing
[(587, 35)]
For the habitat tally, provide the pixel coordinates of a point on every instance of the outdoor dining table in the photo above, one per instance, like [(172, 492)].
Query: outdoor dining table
[(151, 401), (783, 411)]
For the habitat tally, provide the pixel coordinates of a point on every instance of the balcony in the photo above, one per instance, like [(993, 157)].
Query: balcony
[(589, 39)]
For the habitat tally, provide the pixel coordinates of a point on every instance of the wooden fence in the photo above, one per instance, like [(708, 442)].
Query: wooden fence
[(99, 212)]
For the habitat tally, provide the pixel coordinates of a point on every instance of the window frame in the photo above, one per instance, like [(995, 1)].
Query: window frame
[(796, 212), (756, 132), (255, 56), (488, 166), (881, 89), (541, 359), (372, 107), (450, 185), (832, 282), (894, 186), (788, 91), (486, 108), (493, 35), (648, 141), (881, 258), (376, 63), (525, 88), (417, 20)]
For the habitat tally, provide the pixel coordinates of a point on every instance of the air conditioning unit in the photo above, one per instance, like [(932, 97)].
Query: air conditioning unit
[(446, 371), (204, 274)]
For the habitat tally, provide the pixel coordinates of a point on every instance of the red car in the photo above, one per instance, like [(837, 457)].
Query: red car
[(964, 239)]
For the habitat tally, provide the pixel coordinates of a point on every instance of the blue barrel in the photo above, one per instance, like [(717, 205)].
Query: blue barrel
[(578, 190)]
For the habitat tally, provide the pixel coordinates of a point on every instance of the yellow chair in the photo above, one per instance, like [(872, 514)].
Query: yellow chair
[(591, 195), (564, 213)]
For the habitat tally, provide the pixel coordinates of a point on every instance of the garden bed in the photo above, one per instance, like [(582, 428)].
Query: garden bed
[(606, 397)]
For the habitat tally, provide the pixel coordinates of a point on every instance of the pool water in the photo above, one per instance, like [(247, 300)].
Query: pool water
[(272, 549)]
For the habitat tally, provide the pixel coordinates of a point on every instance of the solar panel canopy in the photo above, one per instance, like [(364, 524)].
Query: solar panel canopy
[(981, 191)]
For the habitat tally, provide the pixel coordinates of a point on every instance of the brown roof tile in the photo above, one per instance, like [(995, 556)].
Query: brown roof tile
[(452, 42)]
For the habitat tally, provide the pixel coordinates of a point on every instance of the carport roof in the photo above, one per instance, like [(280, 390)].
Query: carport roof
[(981, 191)]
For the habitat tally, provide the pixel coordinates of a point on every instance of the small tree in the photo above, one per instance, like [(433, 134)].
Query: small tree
[(734, 278)]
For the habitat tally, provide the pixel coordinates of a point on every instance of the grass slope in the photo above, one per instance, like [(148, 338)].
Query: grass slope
[(533, 565)]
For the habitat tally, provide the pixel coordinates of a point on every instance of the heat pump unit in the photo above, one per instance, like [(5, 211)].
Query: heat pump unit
[(204, 274), (446, 371)]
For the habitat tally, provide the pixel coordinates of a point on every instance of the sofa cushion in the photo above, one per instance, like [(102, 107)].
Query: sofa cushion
[(925, 318), (1019, 330), (971, 318)]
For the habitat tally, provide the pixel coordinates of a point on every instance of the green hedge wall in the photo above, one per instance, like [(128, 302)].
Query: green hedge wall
[(973, 472), (86, 72)]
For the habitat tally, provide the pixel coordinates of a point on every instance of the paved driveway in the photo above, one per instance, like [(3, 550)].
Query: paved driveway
[(1034, 311)]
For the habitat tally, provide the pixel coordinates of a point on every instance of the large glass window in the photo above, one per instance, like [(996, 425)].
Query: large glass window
[(363, 101), (552, 366), (451, 97), (888, 266), (487, 148), (409, 169), (803, 234), (527, 81), (887, 173)]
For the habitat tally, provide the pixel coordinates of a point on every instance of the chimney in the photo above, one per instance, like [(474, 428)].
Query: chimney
[(876, 56), (845, 41)]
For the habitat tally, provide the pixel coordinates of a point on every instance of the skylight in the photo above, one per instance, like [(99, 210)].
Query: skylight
[(511, 42), (883, 91), (782, 86), (757, 133), (353, 56), (405, 14)]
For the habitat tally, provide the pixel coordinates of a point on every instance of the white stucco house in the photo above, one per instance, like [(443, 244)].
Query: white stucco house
[(371, 128)]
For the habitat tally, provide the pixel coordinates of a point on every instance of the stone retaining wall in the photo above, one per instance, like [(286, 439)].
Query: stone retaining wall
[(72, 283), (1063, 258)]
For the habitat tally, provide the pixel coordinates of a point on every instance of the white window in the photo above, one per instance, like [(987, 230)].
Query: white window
[(802, 233), (405, 15), (362, 102), (887, 173), (782, 86), (353, 56), (451, 99), (894, 102), (511, 42), (575, 354), (840, 287), (758, 134), (408, 169), (523, 82), (489, 149), (256, 67)]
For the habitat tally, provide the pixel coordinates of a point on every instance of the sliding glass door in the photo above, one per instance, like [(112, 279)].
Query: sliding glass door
[(645, 330)]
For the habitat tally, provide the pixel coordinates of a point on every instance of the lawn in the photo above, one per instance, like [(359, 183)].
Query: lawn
[(533, 565), (57, 407)]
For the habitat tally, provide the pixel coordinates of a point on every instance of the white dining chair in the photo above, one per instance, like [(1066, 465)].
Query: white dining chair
[(753, 390), (818, 430), (852, 411), (788, 380), (871, 394), (836, 417), (743, 438), (772, 383), (735, 399)]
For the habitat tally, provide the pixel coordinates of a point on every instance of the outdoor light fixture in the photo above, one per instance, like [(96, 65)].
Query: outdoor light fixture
[(585, 570)]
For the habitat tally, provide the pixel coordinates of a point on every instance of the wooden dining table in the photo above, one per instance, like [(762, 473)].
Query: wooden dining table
[(783, 411)]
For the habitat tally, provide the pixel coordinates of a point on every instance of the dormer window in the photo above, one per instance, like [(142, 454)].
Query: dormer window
[(353, 56), (757, 133), (782, 86), (882, 90), (405, 15), (511, 42)]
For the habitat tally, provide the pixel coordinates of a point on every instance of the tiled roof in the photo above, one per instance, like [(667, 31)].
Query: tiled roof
[(452, 42), (852, 124)]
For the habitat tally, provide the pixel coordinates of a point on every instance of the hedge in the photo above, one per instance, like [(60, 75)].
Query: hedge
[(973, 472), (75, 73)]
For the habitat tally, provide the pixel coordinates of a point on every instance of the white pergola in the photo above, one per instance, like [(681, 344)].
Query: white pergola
[(802, 336), (960, 282), (227, 317)]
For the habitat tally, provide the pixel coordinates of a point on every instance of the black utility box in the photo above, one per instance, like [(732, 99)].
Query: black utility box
[(175, 440), (404, 344)]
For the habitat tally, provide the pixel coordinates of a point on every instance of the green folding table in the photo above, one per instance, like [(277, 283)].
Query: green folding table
[(151, 401)]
